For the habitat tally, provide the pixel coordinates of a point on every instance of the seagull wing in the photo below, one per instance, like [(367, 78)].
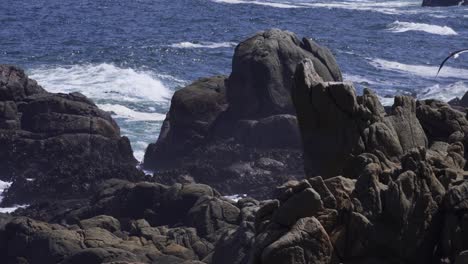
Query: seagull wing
[(450, 56)]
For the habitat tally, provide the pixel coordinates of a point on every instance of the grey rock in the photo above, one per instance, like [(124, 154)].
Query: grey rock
[(303, 204)]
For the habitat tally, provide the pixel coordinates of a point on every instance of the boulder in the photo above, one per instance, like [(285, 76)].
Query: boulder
[(102, 221), (306, 242), (440, 120), (188, 123), (39, 242), (102, 255), (262, 66), (56, 145), (304, 204)]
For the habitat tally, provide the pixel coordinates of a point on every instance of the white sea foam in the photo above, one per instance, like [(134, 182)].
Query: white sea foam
[(444, 93), (387, 7), (400, 27), (386, 101), (358, 79), (235, 197), (263, 3), (124, 112), (8, 210), (139, 150), (3, 187), (103, 81), (420, 70), (203, 45)]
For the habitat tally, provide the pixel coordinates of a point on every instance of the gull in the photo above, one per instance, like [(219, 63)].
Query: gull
[(455, 55)]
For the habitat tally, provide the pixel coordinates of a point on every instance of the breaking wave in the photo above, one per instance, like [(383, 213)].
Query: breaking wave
[(400, 27)]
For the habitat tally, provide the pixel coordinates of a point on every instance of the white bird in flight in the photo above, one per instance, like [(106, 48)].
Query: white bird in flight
[(454, 54)]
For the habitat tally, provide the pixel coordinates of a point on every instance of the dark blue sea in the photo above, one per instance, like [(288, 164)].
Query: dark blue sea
[(131, 55)]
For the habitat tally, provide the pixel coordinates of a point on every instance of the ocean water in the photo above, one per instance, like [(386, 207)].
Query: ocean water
[(130, 56)]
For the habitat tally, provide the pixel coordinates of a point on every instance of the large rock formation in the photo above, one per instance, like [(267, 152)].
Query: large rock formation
[(401, 197), (218, 129), (56, 145), (444, 2), (337, 126)]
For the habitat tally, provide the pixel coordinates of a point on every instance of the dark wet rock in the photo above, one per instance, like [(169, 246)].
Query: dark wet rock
[(433, 3), (39, 242), (303, 204), (102, 255), (56, 145), (439, 120), (217, 123), (193, 110), (211, 214), (306, 242), (31, 241), (337, 125), (277, 131), (260, 82), (234, 247)]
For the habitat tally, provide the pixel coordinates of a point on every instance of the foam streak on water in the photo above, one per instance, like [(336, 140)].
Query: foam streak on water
[(262, 3), (3, 187), (400, 27), (444, 92), (203, 45), (105, 81), (120, 111), (420, 70)]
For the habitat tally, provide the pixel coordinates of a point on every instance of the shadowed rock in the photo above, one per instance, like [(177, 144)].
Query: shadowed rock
[(217, 128), (56, 145), (336, 125)]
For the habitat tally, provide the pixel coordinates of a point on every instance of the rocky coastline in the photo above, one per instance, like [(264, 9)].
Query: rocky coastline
[(329, 176)]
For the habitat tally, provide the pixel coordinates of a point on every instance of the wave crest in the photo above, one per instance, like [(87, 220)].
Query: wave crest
[(103, 81), (444, 93), (203, 45), (271, 4), (420, 70), (120, 111), (400, 27)]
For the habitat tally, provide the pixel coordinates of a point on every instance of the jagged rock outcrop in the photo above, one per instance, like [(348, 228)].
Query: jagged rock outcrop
[(222, 126), (56, 145), (405, 217), (337, 125), (400, 198)]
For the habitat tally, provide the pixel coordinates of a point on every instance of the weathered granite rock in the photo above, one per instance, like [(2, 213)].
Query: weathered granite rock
[(216, 123), (337, 125), (55, 146), (260, 82), (188, 123)]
